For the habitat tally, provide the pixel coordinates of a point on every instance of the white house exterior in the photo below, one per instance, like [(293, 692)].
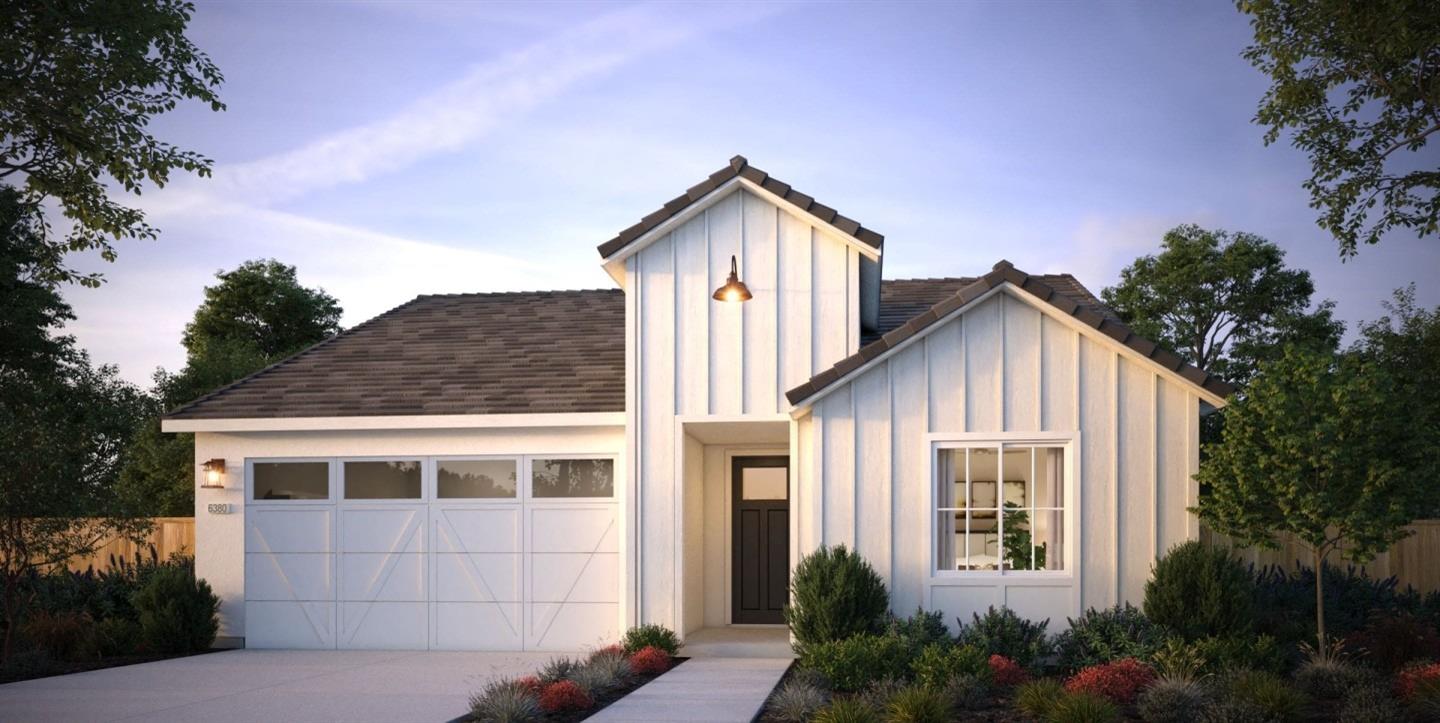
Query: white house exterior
[(539, 471)]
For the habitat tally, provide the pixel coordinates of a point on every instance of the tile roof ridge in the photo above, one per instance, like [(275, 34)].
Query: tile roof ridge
[(530, 292)]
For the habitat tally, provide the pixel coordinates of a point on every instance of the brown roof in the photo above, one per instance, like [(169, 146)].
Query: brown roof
[(741, 167), (502, 353), (904, 299), (1062, 292)]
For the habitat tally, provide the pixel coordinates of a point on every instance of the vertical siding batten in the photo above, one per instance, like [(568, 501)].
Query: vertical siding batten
[(1115, 472)]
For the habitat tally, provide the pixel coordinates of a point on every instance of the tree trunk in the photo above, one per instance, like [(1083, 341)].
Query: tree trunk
[(1320, 602)]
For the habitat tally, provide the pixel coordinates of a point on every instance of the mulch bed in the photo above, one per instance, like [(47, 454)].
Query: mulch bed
[(17, 670), (600, 702)]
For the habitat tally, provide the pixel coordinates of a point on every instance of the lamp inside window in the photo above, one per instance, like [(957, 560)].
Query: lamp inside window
[(214, 474)]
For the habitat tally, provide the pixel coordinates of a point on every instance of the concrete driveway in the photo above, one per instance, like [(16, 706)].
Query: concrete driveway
[(269, 685)]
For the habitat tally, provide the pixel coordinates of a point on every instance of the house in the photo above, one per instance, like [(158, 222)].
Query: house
[(539, 470)]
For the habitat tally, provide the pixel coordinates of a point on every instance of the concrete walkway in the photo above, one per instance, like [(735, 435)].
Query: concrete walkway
[(702, 689), (279, 685)]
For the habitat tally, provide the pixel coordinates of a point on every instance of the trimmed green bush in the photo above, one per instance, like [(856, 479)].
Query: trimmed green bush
[(835, 594), (1001, 632), (1083, 708), (177, 612), (651, 635), (853, 663), (1198, 591), (1268, 692), (918, 704), (939, 663), (1227, 654), (1037, 697), (117, 636), (1102, 636), (920, 629), (847, 710)]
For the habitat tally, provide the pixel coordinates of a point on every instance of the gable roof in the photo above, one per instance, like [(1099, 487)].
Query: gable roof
[(904, 299), (739, 167), (497, 353), (1043, 288)]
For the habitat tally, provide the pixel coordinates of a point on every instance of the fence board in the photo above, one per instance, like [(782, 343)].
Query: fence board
[(1412, 560), (170, 535)]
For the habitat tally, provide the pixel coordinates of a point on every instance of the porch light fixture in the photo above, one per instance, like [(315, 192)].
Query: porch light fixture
[(214, 474), (734, 289)]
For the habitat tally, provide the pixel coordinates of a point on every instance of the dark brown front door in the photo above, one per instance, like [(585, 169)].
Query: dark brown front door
[(760, 552)]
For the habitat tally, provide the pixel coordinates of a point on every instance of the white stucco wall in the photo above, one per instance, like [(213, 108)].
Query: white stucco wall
[(220, 539), (1004, 366)]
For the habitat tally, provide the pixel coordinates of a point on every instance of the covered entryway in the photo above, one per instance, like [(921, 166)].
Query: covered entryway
[(760, 539), (452, 553)]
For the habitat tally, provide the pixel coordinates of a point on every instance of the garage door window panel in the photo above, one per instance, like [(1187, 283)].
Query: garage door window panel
[(382, 479), (572, 478), (301, 480), (477, 479)]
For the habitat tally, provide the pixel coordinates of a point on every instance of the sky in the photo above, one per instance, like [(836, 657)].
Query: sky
[(391, 149)]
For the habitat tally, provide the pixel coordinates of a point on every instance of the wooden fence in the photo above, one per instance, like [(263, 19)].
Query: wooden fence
[(169, 535), (1414, 561)]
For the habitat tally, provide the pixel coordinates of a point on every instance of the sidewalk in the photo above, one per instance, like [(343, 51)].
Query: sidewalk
[(715, 690)]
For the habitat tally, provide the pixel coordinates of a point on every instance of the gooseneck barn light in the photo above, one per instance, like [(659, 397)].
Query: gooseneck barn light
[(734, 289), (214, 474)]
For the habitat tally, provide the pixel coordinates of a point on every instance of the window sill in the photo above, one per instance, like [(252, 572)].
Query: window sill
[(1036, 579)]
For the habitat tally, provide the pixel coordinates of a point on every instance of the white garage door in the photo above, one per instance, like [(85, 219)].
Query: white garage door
[(479, 553)]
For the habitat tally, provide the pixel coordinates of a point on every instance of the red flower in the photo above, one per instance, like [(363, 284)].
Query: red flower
[(650, 660), (1006, 672), (564, 695), (530, 683), (1119, 681), (1414, 675)]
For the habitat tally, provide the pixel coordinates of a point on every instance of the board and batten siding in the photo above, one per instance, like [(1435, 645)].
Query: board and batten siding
[(1003, 366), (695, 357)]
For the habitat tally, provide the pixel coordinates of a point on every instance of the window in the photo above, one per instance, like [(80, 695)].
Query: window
[(764, 483), (475, 479), (290, 481), (388, 480), (569, 478), (1000, 506)]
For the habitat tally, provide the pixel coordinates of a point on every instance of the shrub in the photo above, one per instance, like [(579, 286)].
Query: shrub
[(878, 693), (1083, 708), (608, 651), (967, 692), (1389, 641), (505, 701), (1414, 676), (63, 635), (651, 635), (531, 683), (563, 695), (650, 661), (1267, 692), (1285, 601), (835, 594), (1171, 701), (1329, 678), (1119, 681), (796, 702), (177, 611), (939, 662), (847, 710), (1002, 632), (1038, 697), (919, 630), (599, 676), (1102, 636), (1235, 653), (852, 663), (1370, 705), (1005, 672), (557, 669), (1178, 660), (117, 636), (1197, 591), (918, 704), (1230, 710), (1424, 701)]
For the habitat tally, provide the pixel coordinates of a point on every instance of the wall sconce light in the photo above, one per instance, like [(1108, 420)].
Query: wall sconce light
[(214, 474), (734, 289)]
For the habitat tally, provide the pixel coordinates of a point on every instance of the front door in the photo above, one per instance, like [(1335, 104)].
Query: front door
[(760, 551)]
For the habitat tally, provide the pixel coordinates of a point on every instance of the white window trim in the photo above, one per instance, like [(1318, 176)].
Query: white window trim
[(332, 490), (529, 481), (432, 477), (1070, 443), (339, 467)]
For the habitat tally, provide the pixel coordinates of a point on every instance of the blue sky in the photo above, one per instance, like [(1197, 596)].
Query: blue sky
[(392, 149)]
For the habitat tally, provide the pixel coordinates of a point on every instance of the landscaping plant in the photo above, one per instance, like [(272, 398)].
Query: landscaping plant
[(1037, 697), (650, 635), (1390, 641), (1005, 672), (1197, 591), (967, 691), (1171, 701), (847, 710), (1100, 636), (650, 661), (1001, 632), (851, 664), (796, 701), (505, 701), (918, 704), (1266, 692), (835, 594), (564, 695), (1119, 681), (178, 612), (1415, 677), (920, 629), (939, 663), (1330, 678), (1083, 707)]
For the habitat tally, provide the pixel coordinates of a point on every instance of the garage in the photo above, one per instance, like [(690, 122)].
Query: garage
[(447, 553)]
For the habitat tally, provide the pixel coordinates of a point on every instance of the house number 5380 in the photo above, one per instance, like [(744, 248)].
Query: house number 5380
[(219, 508)]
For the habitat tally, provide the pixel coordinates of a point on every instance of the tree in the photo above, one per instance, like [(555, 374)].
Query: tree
[(258, 314), (1318, 447), (1406, 344), (1224, 301), (80, 81), (1358, 85), (66, 425)]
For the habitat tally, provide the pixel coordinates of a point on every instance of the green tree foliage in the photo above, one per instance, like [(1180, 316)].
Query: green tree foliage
[(1357, 88), (1318, 448), (256, 315), (80, 82), (65, 425), (1224, 301)]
